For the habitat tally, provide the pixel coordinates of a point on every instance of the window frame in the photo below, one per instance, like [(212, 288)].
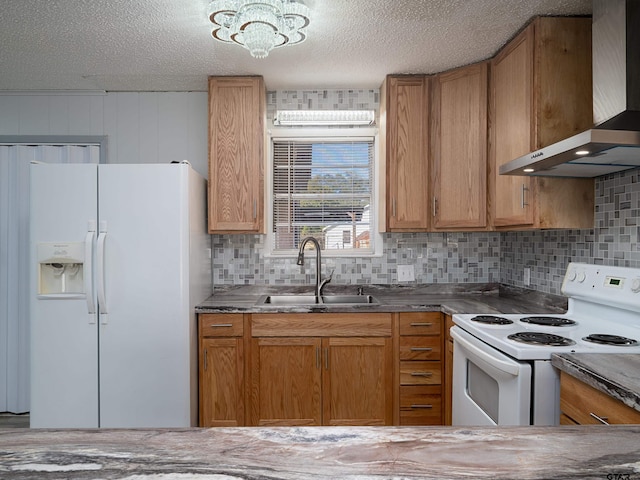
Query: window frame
[(323, 134)]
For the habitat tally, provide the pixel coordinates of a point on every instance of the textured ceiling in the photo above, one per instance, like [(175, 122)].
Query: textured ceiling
[(166, 45)]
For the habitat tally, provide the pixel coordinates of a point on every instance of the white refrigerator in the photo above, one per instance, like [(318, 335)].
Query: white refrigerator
[(119, 259)]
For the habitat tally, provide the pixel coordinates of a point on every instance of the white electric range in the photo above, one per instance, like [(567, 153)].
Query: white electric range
[(502, 372)]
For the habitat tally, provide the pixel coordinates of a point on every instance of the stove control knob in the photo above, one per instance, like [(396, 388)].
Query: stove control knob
[(635, 285), (581, 277), (571, 276)]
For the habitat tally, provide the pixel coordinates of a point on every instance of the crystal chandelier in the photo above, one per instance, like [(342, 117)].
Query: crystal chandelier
[(259, 25)]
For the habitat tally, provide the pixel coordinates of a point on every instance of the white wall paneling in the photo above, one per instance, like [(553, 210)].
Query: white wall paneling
[(14, 261), (142, 127)]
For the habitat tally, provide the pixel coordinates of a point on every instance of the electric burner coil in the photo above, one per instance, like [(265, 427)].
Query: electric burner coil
[(549, 321), (541, 339), (607, 339)]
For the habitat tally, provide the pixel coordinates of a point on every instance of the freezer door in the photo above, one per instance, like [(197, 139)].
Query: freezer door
[(64, 336), (145, 345)]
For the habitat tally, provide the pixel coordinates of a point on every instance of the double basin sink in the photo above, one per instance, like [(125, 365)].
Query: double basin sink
[(294, 300)]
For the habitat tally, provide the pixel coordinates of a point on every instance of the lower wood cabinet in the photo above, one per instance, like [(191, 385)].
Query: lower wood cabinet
[(420, 368), (336, 371), (582, 404), (286, 381), (221, 370), (321, 369)]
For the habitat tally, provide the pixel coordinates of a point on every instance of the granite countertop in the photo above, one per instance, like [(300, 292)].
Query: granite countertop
[(617, 375), (449, 298), (351, 453)]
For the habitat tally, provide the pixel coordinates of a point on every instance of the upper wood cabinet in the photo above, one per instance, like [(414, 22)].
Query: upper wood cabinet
[(404, 121), (236, 154), (459, 146), (540, 93)]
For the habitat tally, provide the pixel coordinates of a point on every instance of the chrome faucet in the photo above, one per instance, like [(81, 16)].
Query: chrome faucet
[(319, 282)]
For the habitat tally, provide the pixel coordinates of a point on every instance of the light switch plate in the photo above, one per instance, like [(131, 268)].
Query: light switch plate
[(406, 273)]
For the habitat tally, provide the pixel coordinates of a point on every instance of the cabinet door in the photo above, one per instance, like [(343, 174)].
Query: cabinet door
[(407, 153), (236, 154), (221, 381), (459, 145), (357, 381), (511, 99), (286, 381)]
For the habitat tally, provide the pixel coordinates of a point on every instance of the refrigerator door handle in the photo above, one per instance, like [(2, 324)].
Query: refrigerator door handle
[(102, 297), (88, 270)]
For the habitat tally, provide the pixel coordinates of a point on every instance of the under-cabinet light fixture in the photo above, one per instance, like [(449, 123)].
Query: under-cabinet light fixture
[(324, 117)]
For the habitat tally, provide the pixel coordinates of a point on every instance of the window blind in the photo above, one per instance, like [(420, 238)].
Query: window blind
[(323, 188)]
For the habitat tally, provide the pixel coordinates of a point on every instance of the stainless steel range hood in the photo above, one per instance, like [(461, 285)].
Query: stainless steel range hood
[(614, 143)]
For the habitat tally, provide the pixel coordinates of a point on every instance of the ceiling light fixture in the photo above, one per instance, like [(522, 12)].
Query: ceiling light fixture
[(324, 117), (259, 25)]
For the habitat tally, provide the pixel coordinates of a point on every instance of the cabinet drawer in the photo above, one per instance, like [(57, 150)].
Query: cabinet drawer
[(582, 403), (420, 348), (420, 405), (420, 323), (420, 373), (221, 325)]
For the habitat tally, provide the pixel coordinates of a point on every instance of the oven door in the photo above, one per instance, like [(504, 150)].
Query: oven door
[(489, 387)]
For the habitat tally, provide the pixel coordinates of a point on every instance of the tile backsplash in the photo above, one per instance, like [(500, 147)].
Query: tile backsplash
[(615, 240), (437, 258), (474, 257)]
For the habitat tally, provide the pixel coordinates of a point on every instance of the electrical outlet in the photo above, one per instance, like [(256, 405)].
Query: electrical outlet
[(406, 273), (526, 277)]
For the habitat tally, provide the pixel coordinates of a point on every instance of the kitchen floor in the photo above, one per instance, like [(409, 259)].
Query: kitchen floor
[(9, 420)]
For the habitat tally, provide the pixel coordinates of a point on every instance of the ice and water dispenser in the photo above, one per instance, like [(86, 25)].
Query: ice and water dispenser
[(61, 269)]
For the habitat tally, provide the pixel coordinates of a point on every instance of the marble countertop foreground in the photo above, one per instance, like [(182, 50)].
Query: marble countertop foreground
[(617, 375), (355, 453), (449, 298)]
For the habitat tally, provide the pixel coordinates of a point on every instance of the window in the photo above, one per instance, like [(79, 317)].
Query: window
[(323, 187)]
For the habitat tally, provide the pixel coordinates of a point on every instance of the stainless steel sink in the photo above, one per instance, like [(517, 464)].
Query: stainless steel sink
[(348, 299), (293, 300)]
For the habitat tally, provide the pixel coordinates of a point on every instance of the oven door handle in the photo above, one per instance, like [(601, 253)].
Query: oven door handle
[(490, 359)]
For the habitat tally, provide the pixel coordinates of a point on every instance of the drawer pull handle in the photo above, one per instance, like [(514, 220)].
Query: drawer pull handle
[(421, 406), (602, 420), (421, 374), (421, 324), (218, 325), (421, 349)]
